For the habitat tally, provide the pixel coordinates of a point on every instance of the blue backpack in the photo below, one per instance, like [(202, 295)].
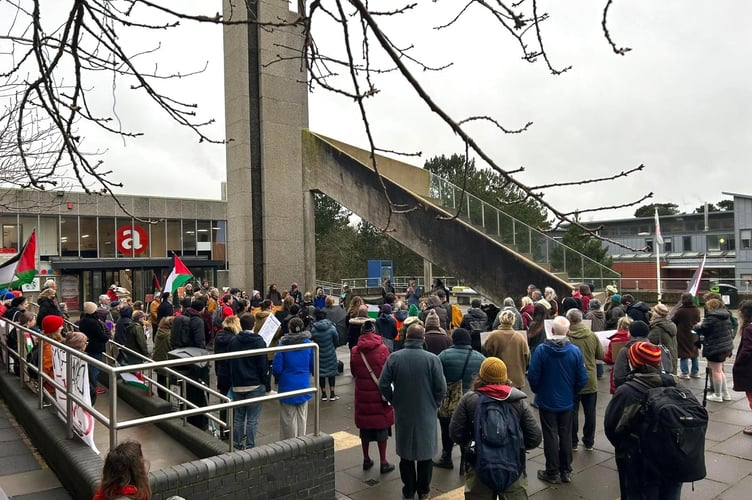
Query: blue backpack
[(499, 444)]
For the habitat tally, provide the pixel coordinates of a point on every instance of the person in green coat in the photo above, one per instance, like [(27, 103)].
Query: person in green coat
[(663, 332), (592, 350)]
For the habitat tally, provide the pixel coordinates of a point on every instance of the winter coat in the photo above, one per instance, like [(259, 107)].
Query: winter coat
[(517, 318), (354, 326), (462, 425), (623, 416), (96, 332), (613, 315), (511, 347), (253, 371), (435, 303), (478, 317), (371, 412), (663, 332), (198, 327), (592, 350), (597, 320), (386, 326), (557, 372), (293, 369), (419, 387), (639, 312), (437, 341), (743, 363), (165, 309), (338, 316), (716, 327), (527, 315), (135, 339), (621, 369), (47, 307), (325, 335), (162, 344), (620, 336), (319, 302), (222, 367), (452, 361), (685, 318)]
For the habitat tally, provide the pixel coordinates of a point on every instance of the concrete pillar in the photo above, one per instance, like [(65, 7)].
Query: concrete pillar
[(266, 109), (427, 276)]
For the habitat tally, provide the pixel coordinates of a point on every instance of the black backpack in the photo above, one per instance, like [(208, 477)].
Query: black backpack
[(671, 433), (33, 358), (499, 444), (181, 332)]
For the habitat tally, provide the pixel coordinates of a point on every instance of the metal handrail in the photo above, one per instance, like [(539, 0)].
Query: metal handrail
[(112, 422), (439, 186)]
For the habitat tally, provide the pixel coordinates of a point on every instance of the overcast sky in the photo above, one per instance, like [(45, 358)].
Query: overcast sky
[(679, 103)]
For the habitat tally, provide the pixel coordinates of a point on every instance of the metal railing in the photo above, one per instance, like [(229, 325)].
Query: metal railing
[(113, 372), (574, 266)]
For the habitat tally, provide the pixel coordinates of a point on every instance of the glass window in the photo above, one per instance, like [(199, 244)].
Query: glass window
[(9, 238), (649, 244), (189, 237), (89, 237), (106, 238), (157, 242), (174, 243), (668, 244), (141, 241), (721, 242), (203, 237), (745, 237), (219, 239), (47, 233), (686, 243), (69, 236)]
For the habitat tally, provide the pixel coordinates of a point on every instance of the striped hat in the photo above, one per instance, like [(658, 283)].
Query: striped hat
[(644, 354)]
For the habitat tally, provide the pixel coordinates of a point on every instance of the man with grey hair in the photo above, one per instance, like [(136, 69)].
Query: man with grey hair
[(592, 349), (413, 382), (556, 374)]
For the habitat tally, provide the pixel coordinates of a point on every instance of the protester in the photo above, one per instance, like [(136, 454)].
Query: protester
[(663, 333), (163, 345), (492, 382), (620, 337), (293, 369), (413, 382), (685, 318), (509, 346), (742, 370), (717, 346), (124, 475), (325, 335), (222, 339), (97, 336)]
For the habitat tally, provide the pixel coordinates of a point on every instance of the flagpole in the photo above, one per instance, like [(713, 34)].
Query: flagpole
[(657, 245)]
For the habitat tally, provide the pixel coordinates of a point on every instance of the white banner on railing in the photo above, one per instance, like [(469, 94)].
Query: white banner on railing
[(83, 422)]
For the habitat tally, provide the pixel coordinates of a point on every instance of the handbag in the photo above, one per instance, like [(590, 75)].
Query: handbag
[(373, 375), (453, 393)]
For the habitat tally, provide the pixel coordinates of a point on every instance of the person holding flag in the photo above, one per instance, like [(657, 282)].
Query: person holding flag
[(179, 276)]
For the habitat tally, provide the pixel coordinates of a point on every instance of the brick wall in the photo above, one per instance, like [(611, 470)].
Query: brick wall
[(295, 468)]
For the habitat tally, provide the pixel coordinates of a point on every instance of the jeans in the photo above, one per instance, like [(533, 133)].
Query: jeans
[(683, 365), (588, 402), (556, 427), (94, 371), (416, 477), (246, 418)]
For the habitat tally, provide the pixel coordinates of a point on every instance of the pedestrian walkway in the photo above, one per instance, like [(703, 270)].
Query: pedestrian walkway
[(23, 472)]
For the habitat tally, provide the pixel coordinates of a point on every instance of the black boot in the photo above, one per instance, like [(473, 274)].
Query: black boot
[(445, 462)]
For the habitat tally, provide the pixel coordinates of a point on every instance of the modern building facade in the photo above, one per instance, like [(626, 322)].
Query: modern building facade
[(87, 243)]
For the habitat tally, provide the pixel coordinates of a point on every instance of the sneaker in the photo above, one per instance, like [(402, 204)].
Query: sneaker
[(549, 478), (386, 467), (575, 448), (747, 431), (684, 376), (333, 397), (588, 448), (715, 398), (424, 496), (101, 390), (726, 397), (367, 463), (695, 375), (324, 397), (566, 477)]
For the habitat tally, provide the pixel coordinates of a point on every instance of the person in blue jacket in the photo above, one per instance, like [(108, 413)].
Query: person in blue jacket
[(556, 373), (293, 370)]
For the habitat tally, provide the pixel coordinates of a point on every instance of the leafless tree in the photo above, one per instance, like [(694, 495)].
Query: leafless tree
[(57, 61)]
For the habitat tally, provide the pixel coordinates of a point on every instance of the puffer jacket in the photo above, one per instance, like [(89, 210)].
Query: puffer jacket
[(716, 327), (324, 333), (663, 331), (293, 369), (557, 372), (371, 412), (592, 350), (452, 361)]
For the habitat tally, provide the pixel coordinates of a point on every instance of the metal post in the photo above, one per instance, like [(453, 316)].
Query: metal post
[(113, 409), (68, 400), (483, 215), (231, 426), (317, 397), (40, 365)]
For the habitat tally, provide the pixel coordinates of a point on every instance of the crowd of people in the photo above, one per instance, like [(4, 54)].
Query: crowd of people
[(420, 367)]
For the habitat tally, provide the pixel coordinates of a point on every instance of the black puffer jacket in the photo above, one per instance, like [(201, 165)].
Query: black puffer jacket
[(716, 327)]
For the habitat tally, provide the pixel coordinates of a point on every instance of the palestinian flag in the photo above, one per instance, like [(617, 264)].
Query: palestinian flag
[(179, 276), (21, 269)]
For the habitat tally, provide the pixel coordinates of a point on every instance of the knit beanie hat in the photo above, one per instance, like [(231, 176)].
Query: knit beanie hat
[(139, 315), (52, 323), (594, 305), (460, 336), (639, 329), (76, 340), (432, 321), (506, 318), (413, 310), (90, 308), (369, 326), (660, 310), (386, 309), (644, 354), (227, 311), (616, 298), (493, 371)]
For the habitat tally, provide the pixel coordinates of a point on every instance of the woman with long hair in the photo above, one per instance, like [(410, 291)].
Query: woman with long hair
[(742, 370), (536, 331), (124, 475), (230, 328), (717, 346), (163, 345)]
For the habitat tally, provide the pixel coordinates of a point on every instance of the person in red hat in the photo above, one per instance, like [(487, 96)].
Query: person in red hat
[(52, 326)]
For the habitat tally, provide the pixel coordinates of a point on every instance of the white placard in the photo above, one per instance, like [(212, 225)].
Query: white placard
[(83, 422), (31, 287), (269, 329)]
